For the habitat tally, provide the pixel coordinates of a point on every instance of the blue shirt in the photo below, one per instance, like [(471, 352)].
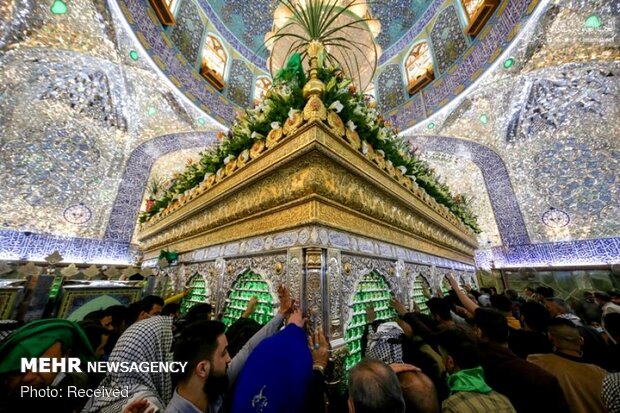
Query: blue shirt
[(178, 404)]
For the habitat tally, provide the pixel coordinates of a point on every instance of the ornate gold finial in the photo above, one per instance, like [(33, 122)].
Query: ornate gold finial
[(314, 87)]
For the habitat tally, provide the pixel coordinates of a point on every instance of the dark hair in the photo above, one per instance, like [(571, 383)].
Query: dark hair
[(511, 294), (603, 296), (199, 312), (460, 347), (439, 307), (119, 314), (197, 342), (492, 323), (535, 315), (170, 308), (561, 322), (239, 333), (546, 292), (501, 302), (96, 315), (374, 388), (150, 300), (612, 324), (93, 330)]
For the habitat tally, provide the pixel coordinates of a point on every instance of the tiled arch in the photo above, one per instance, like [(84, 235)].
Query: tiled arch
[(127, 204), (508, 216)]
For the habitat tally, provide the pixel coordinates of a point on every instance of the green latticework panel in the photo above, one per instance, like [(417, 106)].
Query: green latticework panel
[(417, 294), (249, 285), (196, 294), (445, 287), (372, 290), (56, 284)]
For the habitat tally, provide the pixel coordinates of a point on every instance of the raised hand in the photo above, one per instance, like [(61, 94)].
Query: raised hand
[(370, 314), (286, 303), (319, 347), (249, 309), (398, 306)]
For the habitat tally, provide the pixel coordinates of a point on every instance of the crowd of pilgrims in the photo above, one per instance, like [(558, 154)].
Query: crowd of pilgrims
[(477, 351)]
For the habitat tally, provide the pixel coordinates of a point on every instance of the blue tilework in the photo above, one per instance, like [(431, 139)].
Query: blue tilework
[(127, 204), (240, 83), (182, 73), (15, 245), (601, 251), (476, 59), (506, 209), (390, 88), (447, 38), (187, 32)]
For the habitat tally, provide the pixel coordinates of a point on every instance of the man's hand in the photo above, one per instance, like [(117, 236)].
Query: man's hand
[(370, 314), (139, 406), (286, 304), (452, 281), (398, 306), (319, 347), (250, 307)]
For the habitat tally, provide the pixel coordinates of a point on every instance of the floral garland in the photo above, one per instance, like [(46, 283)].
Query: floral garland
[(282, 101)]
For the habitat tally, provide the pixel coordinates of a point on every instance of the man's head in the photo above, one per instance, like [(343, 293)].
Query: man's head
[(171, 309), (374, 388), (543, 292), (152, 305), (602, 297), (48, 338), (458, 351), (97, 336), (204, 347), (565, 335), (119, 315), (199, 312), (615, 296), (419, 392), (557, 306), (491, 325), (440, 309), (501, 303), (528, 292), (535, 316)]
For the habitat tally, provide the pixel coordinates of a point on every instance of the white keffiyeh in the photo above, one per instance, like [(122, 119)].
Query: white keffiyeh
[(147, 340)]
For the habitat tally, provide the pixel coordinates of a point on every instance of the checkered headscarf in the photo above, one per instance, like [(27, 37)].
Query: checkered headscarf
[(148, 340), (386, 343), (611, 392)]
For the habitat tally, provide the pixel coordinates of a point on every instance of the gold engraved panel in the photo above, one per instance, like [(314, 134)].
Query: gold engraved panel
[(311, 177)]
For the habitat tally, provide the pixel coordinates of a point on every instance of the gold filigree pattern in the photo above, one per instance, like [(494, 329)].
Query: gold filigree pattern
[(274, 136), (335, 123), (315, 109), (292, 123), (231, 167), (257, 149), (354, 139)]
